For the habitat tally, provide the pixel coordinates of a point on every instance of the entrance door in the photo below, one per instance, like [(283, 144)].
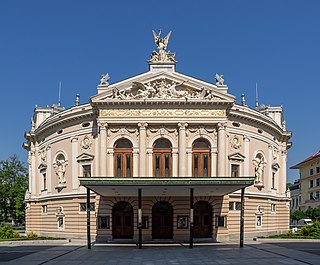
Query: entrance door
[(122, 220), (202, 220), (162, 221)]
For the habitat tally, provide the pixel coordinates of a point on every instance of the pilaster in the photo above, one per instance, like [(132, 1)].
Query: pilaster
[(246, 153), (103, 149), (214, 160), (74, 164), (49, 169)]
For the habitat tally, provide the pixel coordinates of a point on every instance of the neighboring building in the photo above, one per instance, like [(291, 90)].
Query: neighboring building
[(309, 182), (166, 135), (295, 195)]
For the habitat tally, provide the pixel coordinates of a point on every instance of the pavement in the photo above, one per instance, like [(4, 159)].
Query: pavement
[(75, 252)]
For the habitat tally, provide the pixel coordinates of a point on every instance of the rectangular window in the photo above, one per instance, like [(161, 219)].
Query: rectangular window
[(317, 194), (196, 165), (318, 170), (299, 198), (157, 162), (311, 183), (60, 220), (311, 171), (44, 208), (44, 181), (318, 182), (220, 221), (119, 165), (235, 170), (231, 206), (104, 222), (311, 196), (128, 165), (167, 165), (235, 206), (205, 165), (273, 180), (83, 207), (273, 207), (86, 170), (258, 220)]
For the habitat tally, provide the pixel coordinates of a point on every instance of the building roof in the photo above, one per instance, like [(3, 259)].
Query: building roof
[(310, 158)]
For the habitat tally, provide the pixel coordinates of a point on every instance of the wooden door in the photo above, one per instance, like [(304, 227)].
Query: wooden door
[(122, 220), (162, 221), (202, 220)]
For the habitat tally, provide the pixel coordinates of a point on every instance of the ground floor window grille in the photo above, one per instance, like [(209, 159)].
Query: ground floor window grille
[(258, 220), (104, 222), (83, 207)]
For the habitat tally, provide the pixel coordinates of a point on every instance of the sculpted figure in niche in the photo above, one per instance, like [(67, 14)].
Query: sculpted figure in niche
[(61, 169), (259, 167)]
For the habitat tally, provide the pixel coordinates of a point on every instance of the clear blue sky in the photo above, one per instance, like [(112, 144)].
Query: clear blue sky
[(275, 43)]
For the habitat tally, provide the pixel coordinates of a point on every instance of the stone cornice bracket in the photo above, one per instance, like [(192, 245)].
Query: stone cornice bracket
[(246, 138), (182, 126), (48, 148)]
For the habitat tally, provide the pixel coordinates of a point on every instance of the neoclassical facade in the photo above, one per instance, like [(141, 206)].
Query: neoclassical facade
[(161, 153)]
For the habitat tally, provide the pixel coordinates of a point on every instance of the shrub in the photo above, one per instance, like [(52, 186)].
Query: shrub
[(311, 230), (32, 236), (7, 232)]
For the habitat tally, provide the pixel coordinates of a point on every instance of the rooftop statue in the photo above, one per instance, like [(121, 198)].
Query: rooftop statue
[(162, 55), (104, 80), (219, 80)]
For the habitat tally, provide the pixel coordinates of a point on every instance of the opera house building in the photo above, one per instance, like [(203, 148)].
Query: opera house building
[(158, 156)]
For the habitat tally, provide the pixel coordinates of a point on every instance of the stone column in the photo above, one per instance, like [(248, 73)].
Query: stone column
[(110, 168), (214, 158), (135, 163), (74, 163), (149, 162), (221, 150), (96, 162), (103, 149), (142, 149), (246, 153), (174, 162), (189, 155), (35, 162), (49, 169), (182, 149)]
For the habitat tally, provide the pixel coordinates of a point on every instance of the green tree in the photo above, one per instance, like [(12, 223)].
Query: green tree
[(297, 215), (313, 213), (13, 185)]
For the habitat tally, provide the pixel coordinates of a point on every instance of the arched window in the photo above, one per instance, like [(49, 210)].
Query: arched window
[(162, 158), (201, 158), (123, 158)]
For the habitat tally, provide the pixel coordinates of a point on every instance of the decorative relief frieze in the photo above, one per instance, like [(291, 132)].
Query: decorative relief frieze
[(162, 113)]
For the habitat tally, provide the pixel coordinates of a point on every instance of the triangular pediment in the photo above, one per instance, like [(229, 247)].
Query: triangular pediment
[(85, 157), (162, 86), (236, 157)]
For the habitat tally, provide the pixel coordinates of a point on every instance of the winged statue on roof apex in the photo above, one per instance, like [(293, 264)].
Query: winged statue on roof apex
[(162, 55)]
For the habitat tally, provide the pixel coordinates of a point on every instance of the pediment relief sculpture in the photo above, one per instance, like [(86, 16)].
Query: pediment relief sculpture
[(162, 89)]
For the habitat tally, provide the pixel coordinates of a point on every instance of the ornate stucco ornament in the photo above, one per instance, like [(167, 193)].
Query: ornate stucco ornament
[(86, 143), (235, 142), (162, 56), (162, 89)]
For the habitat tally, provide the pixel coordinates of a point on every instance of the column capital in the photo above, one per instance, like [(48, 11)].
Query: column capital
[(48, 148), (182, 125), (246, 138), (102, 125), (74, 139), (142, 125), (222, 126)]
